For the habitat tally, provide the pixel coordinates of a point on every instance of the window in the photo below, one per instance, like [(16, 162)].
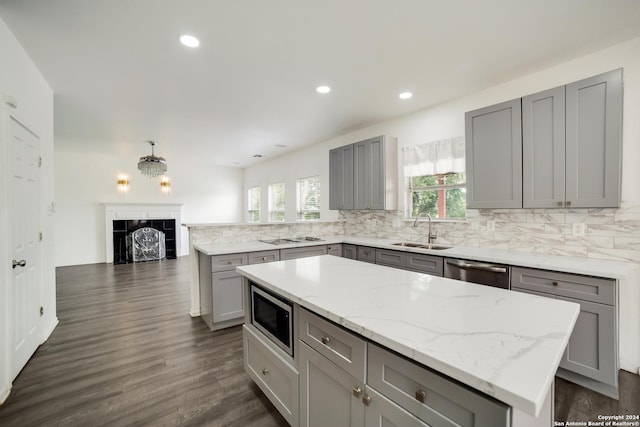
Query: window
[(276, 202), (253, 202), (308, 198), (441, 196), (435, 173)]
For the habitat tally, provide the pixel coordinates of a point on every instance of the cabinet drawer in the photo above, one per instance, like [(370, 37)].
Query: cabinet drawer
[(349, 251), (429, 396), (335, 250), (307, 251), (274, 375), (264, 256), (367, 254), (336, 344), (227, 262), (390, 258), (425, 264), (563, 284)]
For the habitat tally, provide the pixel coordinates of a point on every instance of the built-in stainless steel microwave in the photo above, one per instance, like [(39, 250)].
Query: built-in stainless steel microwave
[(272, 316)]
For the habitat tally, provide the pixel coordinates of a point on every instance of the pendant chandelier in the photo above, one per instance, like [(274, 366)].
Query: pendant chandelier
[(152, 166)]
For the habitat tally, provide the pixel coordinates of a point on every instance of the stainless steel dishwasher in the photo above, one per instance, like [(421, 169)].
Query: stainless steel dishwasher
[(496, 275)]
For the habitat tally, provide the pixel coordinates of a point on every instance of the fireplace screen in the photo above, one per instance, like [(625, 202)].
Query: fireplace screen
[(146, 244)]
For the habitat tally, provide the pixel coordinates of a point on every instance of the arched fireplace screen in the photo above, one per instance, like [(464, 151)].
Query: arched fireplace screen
[(146, 244)]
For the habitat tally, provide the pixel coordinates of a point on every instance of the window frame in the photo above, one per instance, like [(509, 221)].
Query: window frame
[(249, 200), (299, 211), (410, 189), (271, 211)]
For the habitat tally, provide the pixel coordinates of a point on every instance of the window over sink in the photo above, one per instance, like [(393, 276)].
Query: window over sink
[(308, 198), (435, 179), (276, 202), (253, 201)]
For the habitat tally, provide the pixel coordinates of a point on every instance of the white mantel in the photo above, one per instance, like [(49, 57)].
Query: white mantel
[(124, 211)]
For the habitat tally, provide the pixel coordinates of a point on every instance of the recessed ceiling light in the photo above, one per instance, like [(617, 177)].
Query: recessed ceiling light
[(405, 95), (257, 155), (189, 41), (280, 145), (323, 89)]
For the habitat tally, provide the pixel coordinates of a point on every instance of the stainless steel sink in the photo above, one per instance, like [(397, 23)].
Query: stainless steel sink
[(431, 246), (287, 241)]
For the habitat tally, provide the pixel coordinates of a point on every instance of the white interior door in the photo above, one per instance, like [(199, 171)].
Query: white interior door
[(24, 149)]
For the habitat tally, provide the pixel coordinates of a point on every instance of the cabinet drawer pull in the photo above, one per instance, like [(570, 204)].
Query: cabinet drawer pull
[(326, 340), (555, 283), (357, 391), (366, 400), (264, 258), (229, 262), (421, 396), (265, 371)]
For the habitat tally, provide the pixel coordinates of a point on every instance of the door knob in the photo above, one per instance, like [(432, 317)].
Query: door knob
[(20, 263)]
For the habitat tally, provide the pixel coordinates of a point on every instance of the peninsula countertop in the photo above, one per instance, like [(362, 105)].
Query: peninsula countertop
[(505, 344)]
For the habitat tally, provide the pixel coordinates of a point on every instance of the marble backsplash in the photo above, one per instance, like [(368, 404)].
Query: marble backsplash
[(234, 233), (612, 234)]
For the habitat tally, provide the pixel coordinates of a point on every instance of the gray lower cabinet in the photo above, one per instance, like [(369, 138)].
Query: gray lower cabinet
[(335, 249), (274, 375), (349, 251), (366, 254), (345, 381), (421, 263), (303, 252), (429, 396), (591, 358), (494, 156), (221, 290)]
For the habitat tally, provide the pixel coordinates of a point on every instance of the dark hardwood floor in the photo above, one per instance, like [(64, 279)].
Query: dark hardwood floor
[(127, 353)]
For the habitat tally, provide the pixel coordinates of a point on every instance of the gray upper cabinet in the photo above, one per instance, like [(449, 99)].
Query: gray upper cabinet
[(341, 178), (553, 149), (364, 175), (543, 149), (594, 141), (571, 139), (494, 156)]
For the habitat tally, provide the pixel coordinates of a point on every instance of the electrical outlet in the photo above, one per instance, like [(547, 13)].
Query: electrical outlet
[(578, 229), (491, 225)]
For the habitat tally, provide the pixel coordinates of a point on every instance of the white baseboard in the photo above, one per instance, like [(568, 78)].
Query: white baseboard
[(49, 330), (4, 392)]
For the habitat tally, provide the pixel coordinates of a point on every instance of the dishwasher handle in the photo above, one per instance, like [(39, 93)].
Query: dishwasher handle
[(465, 265)]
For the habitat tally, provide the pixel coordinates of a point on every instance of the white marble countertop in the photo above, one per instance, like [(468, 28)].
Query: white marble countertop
[(505, 344), (585, 266)]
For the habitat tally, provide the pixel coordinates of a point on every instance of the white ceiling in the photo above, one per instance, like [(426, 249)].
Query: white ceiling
[(120, 77)]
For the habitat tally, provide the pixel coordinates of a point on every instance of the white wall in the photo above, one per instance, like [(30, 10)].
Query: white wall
[(447, 120), (20, 79), (84, 182)]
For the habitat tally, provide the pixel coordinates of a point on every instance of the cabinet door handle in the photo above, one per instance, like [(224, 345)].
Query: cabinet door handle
[(357, 391), (421, 395), (326, 340), (568, 202), (366, 399), (265, 371), (20, 263)]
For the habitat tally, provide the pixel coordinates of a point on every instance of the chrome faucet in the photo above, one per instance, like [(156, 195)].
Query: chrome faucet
[(431, 236)]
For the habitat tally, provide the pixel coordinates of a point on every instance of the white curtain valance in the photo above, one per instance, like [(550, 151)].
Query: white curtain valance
[(434, 157)]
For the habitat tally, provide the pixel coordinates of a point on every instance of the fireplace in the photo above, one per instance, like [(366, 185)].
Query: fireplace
[(143, 240), (123, 219)]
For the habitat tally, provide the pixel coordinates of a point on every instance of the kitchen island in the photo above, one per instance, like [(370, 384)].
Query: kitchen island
[(502, 345)]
